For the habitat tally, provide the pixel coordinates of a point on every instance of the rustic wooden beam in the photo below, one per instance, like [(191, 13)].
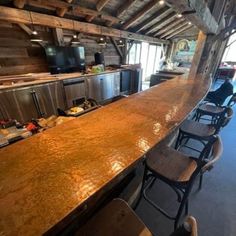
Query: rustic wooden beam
[(19, 3), (72, 9), (176, 28), (22, 16), (160, 24), (197, 55), (125, 6), (140, 14), (116, 47), (168, 27), (182, 29), (58, 36), (100, 4), (198, 13), (61, 11), (152, 19)]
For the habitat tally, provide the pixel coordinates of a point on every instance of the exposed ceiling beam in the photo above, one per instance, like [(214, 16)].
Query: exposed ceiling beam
[(22, 16), (124, 7), (161, 23), (100, 4), (19, 3), (140, 14), (179, 31), (152, 19), (177, 27), (61, 11), (72, 9), (198, 13), (168, 27)]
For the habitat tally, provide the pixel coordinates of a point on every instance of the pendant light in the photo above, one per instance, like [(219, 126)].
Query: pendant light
[(75, 39), (102, 41), (34, 35), (120, 43)]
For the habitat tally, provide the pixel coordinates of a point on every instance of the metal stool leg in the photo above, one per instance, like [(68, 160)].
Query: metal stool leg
[(200, 182)]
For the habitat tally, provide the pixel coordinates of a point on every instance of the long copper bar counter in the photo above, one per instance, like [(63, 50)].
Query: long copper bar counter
[(47, 177)]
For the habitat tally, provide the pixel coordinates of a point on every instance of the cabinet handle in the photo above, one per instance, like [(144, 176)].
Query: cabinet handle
[(36, 103)]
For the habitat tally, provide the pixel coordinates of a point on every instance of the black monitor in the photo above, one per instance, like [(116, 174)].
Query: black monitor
[(65, 59)]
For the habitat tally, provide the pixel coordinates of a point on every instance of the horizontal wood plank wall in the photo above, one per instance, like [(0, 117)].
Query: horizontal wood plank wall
[(19, 56)]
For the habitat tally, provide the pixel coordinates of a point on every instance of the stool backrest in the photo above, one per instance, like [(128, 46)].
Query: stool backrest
[(212, 153), (228, 116), (232, 101)]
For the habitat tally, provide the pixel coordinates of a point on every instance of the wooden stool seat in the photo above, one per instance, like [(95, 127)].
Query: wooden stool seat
[(197, 129), (211, 109), (115, 219), (171, 164)]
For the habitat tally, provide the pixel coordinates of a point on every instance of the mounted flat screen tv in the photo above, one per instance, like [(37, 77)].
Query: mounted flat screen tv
[(65, 59)]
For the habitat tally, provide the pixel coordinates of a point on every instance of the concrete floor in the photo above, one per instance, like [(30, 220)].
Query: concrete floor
[(214, 206)]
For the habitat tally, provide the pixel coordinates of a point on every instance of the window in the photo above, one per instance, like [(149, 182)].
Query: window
[(147, 54), (134, 53)]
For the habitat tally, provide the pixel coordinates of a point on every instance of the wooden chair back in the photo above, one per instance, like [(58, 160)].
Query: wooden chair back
[(214, 154), (232, 101)]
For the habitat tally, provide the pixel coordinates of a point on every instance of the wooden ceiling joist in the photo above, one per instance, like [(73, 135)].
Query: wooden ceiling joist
[(72, 9), (177, 27), (168, 27), (160, 24), (152, 19), (140, 14), (124, 7), (198, 13), (100, 4), (61, 11), (19, 3), (22, 16), (184, 28)]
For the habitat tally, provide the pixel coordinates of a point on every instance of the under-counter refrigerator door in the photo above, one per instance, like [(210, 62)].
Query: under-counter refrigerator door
[(18, 104)]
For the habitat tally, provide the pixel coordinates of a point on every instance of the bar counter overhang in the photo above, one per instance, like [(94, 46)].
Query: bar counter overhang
[(47, 178)]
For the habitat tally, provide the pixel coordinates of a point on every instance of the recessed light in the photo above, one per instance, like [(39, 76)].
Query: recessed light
[(189, 23), (179, 15), (161, 2)]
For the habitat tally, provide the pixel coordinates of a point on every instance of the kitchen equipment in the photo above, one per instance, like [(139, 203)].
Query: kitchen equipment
[(99, 58)]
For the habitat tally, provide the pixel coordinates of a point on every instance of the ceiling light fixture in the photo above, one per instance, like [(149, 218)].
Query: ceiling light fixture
[(34, 35), (161, 2), (179, 15), (101, 41), (120, 43)]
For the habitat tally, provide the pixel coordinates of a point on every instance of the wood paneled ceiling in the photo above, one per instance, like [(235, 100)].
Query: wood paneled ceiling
[(148, 17)]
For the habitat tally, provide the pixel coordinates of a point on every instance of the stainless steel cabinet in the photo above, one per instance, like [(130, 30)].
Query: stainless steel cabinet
[(103, 87), (37, 101), (74, 89)]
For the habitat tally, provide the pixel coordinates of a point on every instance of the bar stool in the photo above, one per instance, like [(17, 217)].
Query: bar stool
[(179, 171), (201, 132), (118, 219)]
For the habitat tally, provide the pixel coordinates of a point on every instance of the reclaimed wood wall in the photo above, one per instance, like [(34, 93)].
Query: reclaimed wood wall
[(19, 56)]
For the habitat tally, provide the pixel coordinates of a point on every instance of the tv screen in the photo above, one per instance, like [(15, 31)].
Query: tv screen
[(65, 59)]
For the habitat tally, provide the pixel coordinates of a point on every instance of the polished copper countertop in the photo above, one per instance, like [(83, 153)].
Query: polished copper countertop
[(49, 175)]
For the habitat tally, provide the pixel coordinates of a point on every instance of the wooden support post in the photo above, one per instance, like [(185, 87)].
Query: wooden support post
[(58, 36), (198, 55), (116, 47)]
